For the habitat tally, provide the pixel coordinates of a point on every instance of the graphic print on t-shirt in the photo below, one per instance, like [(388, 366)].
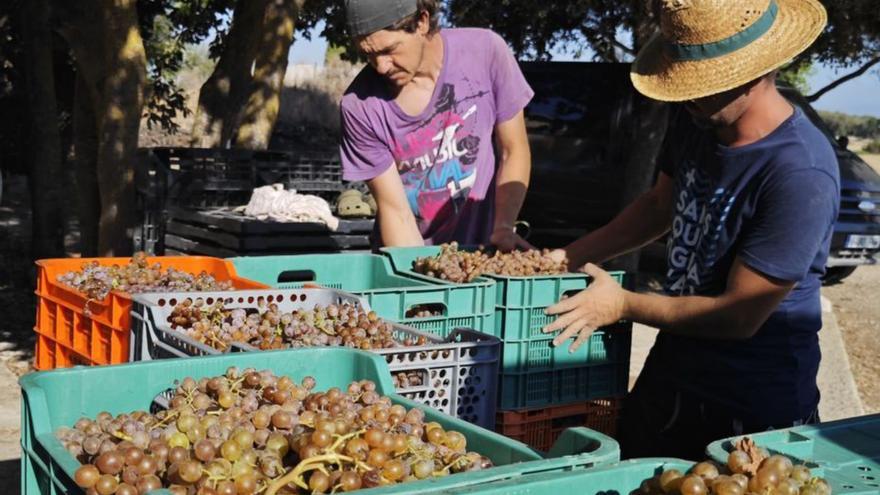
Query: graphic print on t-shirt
[(437, 161), (701, 209)]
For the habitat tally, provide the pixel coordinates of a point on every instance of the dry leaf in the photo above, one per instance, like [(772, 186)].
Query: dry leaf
[(756, 455)]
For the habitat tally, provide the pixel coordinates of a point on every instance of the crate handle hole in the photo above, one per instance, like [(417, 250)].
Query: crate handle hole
[(293, 276), (864, 468), (570, 293), (432, 310)]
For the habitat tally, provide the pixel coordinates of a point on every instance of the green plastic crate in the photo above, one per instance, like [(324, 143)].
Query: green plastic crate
[(846, 453), (511, 292), (389, 294), (562, 386), (58, 398), (623, 478), (606, 346)]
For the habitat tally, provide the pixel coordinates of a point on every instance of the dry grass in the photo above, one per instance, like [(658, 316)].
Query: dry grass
[(309, 113), (873, 160), (311, 95)]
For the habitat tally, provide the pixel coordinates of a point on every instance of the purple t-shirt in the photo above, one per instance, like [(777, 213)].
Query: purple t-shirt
[(445, 154)]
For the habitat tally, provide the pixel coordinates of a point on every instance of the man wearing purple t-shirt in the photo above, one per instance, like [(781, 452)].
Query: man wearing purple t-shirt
[(419, 122)]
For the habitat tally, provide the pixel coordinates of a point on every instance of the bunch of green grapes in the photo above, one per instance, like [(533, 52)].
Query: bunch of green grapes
[(138, 276), (266, 327), (746, 473), (464, 266), (252, 432)]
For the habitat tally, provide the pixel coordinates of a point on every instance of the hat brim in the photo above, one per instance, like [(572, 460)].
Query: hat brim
[(657, 76)]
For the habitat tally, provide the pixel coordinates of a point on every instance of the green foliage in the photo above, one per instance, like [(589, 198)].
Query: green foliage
[(169, 29), (843, 124), (873, 147), (534, 29), (796, 75)]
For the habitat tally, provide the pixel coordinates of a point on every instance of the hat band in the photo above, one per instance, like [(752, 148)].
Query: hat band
[(718, 48)]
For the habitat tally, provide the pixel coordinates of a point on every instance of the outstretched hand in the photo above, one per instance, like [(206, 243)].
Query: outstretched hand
[(600, 304)]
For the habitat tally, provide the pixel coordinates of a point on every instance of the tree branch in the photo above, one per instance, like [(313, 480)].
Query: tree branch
[(620, 45), (852, 75)]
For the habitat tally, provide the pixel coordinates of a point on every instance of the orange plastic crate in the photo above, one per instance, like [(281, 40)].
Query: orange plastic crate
[(539, 428), (68, 337)]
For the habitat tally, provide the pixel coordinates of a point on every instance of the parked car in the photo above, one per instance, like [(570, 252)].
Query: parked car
[(580, 125)]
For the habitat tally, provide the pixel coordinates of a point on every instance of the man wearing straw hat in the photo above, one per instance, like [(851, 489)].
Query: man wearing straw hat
[(421, 122), (749, 194)]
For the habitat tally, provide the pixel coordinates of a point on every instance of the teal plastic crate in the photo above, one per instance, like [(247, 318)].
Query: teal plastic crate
[(846, 453), (606, 346), (390, 295), (562, 386), (511, 292), (58, 398), (623, 478)]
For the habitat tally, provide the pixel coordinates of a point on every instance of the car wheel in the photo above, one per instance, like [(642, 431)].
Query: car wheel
[(835, 274)]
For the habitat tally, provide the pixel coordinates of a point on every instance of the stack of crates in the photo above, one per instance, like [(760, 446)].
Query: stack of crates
[(185, 197), (543, 388)]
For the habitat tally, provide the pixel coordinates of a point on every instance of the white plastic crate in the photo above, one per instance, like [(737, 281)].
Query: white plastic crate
[(459, 373)]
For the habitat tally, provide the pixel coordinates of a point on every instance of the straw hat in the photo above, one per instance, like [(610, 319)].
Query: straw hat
[(706, 47)]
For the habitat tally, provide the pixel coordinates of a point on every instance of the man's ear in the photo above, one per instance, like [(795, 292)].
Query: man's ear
[(424, 22)]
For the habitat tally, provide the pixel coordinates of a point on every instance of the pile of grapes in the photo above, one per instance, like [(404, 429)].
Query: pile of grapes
[(266, 327), (749, 470), (138, 276), (251, 432), (464, 266)]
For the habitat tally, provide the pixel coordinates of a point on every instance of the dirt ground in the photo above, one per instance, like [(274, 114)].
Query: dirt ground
[(873, 160), (857, 306)]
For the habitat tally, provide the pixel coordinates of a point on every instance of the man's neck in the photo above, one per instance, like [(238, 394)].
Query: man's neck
[(763, 116), (432, 64)]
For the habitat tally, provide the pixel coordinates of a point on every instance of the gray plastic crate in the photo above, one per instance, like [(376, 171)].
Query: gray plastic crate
[(459, 373)]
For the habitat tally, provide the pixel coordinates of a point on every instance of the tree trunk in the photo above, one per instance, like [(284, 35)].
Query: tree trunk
[(109, 52), (119, 114), (46, 172), (85, 146), (261, 110), (223, 94)]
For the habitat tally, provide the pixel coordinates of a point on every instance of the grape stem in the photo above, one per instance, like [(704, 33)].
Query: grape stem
[(310, 464)]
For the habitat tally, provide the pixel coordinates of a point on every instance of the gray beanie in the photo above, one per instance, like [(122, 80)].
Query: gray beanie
[(368, 16)]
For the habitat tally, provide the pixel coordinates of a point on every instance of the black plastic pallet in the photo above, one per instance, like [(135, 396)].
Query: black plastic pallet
[(178, 245), (267, 242), (229, 221)]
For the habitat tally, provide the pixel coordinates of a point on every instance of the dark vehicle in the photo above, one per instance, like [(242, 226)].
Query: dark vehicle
[(856, 239), (581, 125)]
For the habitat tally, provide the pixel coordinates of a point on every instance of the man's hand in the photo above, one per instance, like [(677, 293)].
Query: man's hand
[(506, 240), (600, 304)]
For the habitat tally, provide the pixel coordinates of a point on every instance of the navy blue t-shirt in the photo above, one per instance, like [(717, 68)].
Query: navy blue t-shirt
[(773, 204)]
